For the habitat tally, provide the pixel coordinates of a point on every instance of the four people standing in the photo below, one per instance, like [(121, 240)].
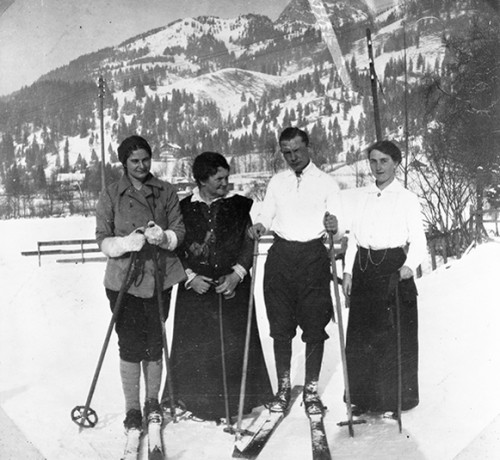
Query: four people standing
[(212, 231)]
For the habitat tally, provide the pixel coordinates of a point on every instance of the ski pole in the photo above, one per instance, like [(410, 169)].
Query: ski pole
[(228, 428), (395, 280), (159, 297), (247, 340), (85, 416), (338, 307)]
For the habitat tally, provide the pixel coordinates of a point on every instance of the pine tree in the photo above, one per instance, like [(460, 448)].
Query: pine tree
[(7, 150), (140, 91), (112, 155), (13, 183), (40, 179), (66, 166), (94, 159)]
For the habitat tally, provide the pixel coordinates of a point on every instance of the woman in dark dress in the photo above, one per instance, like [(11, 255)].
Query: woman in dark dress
[(386, 244), (217, 255)]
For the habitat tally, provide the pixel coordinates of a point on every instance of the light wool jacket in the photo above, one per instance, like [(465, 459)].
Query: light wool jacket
[(121, 210)]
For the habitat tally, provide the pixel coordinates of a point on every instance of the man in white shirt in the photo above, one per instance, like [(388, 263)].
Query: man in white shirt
[(297, 270)]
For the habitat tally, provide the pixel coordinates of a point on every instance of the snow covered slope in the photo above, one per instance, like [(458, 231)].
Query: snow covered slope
[(54, 318)]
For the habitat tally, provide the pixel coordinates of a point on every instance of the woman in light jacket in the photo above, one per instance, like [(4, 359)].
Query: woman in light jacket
[(141, 214)]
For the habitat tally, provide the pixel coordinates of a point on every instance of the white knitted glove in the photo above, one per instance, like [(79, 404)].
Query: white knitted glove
[(154, 234), (134, 241), (116, 246)]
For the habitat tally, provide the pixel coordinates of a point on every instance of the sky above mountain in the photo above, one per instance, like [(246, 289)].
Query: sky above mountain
[(37, 36)]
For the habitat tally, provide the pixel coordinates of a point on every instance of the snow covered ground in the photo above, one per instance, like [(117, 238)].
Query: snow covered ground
[(53, 320)]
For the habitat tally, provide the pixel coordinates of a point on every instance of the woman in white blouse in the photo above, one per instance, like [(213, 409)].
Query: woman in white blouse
[(386, 240)]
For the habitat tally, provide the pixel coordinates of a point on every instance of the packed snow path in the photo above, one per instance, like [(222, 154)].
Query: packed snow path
[(54, 318)]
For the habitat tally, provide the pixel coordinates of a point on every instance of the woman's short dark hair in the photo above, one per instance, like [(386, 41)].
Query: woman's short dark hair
[(292, 132), (387, 147), (206, 164), (131, 144)]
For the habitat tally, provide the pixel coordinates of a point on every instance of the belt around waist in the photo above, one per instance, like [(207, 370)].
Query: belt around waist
[(278, 239), (371, 250)]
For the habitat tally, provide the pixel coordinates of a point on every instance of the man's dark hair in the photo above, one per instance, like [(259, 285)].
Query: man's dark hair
[(292, 132), (206, 165), (387, 147)]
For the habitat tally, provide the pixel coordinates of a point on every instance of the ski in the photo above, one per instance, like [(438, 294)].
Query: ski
[(254, 436), (132, 444), (319, 443), (155, 444)]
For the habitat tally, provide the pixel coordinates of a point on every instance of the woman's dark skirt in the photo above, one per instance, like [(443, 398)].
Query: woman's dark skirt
[(196, 354), (371, 344)]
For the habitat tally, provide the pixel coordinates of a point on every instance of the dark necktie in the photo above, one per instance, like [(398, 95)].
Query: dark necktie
[(298, 174)]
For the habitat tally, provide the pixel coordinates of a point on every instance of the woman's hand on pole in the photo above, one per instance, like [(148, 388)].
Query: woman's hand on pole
[(117, 246), (154, 234), (331, 223), (134, 241), (256, 231), (405, 272), (347, 284), (201, 284), (228, 284)]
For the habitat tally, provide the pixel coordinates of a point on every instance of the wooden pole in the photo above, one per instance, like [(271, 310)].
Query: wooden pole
[(101, 116), (406, 107), (373, 79), (246, 350)]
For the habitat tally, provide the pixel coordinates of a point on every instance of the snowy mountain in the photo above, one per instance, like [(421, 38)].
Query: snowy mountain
[(190, 46), (343, 14), (185, 48), (230, 85), (222, 85)]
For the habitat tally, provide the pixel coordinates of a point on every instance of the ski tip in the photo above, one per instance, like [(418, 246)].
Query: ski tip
[(249, 453), (241, 446), (156, 454), (237, 453)]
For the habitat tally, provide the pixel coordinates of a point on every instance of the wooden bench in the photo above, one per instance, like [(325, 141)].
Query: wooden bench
[(67, 247), (88, 246)]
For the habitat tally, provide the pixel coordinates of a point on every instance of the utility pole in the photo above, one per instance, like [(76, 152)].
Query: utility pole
[(405, 107), (101, 116), (373, 79)]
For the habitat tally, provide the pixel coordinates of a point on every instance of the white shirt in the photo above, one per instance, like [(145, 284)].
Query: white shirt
[(388, 218), (196, 197), (294, 207)]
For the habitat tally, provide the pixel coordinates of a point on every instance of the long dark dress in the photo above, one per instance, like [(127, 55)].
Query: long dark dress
[(216, 240), (371, 346)]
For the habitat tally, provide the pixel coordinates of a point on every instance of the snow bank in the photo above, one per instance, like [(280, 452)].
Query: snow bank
[(54, 318)]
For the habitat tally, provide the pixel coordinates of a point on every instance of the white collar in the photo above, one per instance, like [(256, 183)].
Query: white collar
[(394, 187), (196, 197), (310, 168)]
